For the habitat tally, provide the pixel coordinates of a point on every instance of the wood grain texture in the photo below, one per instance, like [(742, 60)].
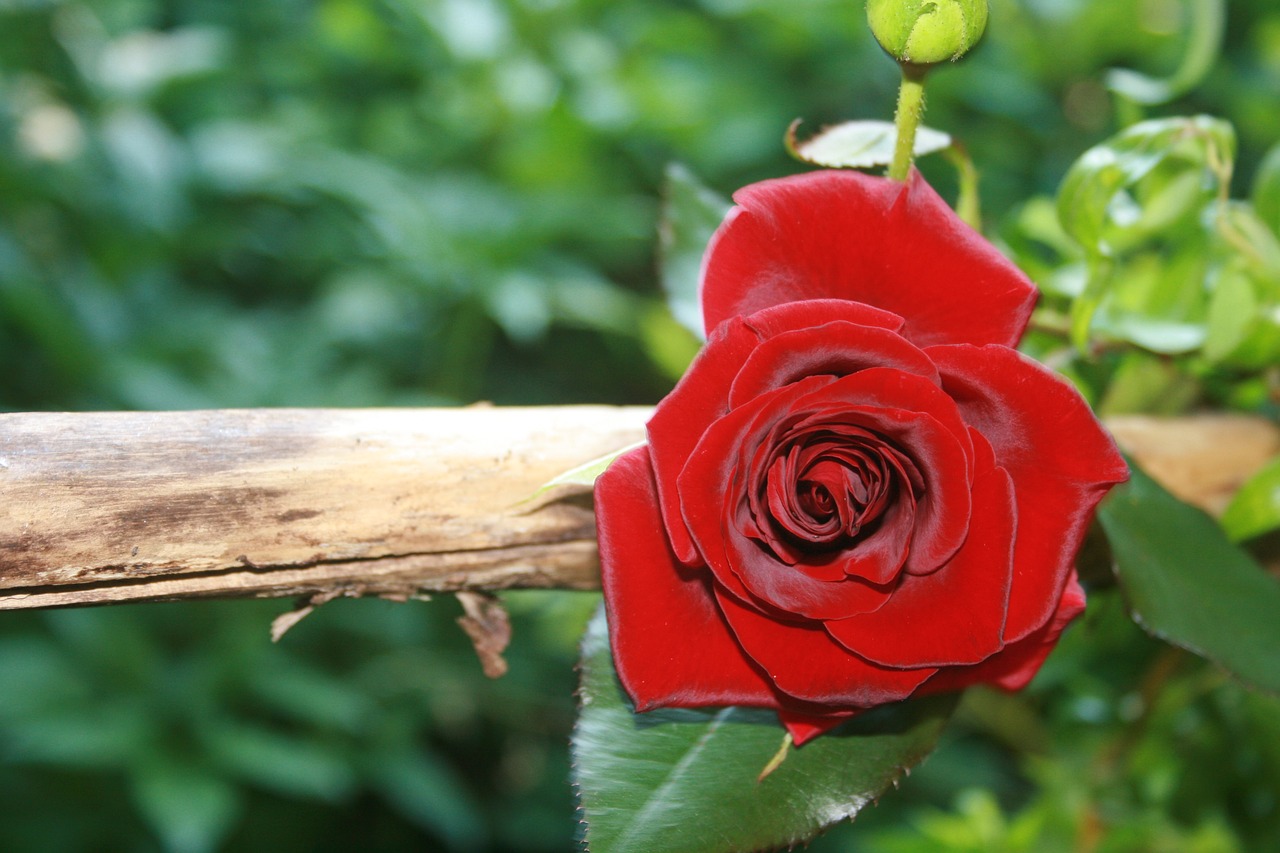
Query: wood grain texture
[(108, 507), (99, 508)]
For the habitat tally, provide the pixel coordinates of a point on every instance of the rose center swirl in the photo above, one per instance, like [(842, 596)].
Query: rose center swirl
[(828, 492)]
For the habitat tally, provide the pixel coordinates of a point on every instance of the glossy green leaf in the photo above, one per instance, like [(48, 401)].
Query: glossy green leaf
[(1265, 193), (1255, 509), (859, 144), (1189, 585), (1093, 194), (691, 212), (1204, 44), (685, 781), (1131, 190)]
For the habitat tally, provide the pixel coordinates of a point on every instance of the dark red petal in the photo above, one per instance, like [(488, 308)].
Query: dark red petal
[(1013, 668), (955, 615), (845, 235), (1061, 460), (835, 349), (922, 423), (806, 727), (788, 316), (701, 396), (670, 643), (712, 488), (710, 491), (804, 662)]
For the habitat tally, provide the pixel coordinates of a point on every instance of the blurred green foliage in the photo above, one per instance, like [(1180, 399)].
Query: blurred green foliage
[(400, 202)]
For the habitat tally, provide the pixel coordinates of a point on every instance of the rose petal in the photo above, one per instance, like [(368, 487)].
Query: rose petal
[(955, 615), (922, 423), (1013, 668), (702, 393), (712, 489), (701, 396), (846, 235), (804, 662), (806, 727), (835, 349), (670, 643), (1061, 460), (803, 314)]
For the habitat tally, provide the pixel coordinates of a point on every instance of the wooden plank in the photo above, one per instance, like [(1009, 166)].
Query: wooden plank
[(100, 508)]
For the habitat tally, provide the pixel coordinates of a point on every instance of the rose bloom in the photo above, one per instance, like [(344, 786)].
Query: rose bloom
[(859, 492)]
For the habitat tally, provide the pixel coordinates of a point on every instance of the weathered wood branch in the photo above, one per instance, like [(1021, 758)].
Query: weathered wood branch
[(100, 508)]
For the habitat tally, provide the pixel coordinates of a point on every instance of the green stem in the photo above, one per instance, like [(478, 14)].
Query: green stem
[(910, 109)]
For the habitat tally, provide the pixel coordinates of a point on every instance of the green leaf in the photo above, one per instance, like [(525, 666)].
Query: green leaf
[(691, 212), (1265, 193), (190, 809), (684, 780), (1187, 584), (859, 144), (1244, 323), (584, 474), (289, 764), (1134, 189), (1092, 199), (1204, 44), (1255, 509), (427, 791)]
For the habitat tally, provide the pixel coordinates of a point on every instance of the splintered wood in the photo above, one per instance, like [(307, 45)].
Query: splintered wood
[(99, 508)]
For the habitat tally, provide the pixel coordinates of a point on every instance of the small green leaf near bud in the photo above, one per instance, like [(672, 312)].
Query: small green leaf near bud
[(925, 32)]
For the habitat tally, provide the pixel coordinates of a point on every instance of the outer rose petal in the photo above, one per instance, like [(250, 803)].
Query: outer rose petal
[(1013, 668), (955, 615), (671, 646), (837, 348), (805, 663), (846, 235), (1061, 460)]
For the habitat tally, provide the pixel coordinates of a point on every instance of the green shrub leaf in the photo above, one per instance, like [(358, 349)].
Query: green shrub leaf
[(682, 780), (1255, 509), (1187, 584)]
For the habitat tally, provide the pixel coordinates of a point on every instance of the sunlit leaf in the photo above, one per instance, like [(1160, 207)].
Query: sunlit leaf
[(1189, 585), (1255, 508), (685, 781), (859, 144)]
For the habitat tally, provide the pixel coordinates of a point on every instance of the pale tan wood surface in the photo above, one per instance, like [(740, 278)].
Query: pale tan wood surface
[(108, 507), (98, 508)]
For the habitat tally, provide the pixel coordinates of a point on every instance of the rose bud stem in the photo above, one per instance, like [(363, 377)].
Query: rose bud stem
[(907, 119), (920, 34)]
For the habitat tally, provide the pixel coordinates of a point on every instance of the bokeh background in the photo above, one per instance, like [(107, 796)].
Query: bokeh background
[(210, 203)]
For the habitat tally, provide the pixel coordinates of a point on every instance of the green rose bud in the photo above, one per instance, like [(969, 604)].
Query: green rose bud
[(925, 32)]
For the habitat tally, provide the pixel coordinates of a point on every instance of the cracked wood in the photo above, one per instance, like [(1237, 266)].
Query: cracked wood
[(110, 507)]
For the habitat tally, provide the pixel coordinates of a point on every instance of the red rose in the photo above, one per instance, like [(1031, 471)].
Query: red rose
[(859, 492)]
